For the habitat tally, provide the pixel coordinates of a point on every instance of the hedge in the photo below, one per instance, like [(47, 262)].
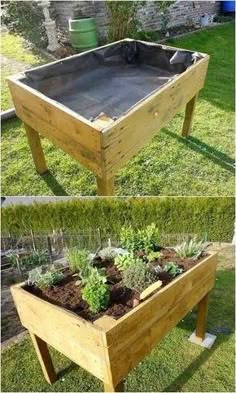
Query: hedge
[(200, 215)]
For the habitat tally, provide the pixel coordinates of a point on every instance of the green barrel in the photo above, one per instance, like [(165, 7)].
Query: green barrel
[(83, 33)]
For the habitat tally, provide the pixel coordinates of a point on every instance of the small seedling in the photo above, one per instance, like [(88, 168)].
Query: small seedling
[(107, 253), (79, 262), (96, 292), (122, 262), (173, 269), (153, 255), (45, 280), (138, 276)]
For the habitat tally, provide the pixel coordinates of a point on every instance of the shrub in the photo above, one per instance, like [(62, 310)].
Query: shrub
[(141, 239), (107, 253), (122, 262), (153, 255), (36, 258), (79, 262), (25, 18), (173, 269), (138, 276), (96, 292), (190, 249), (45, 280)]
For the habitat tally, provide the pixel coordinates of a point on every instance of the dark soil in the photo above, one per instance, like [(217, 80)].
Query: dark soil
[(68, 295)]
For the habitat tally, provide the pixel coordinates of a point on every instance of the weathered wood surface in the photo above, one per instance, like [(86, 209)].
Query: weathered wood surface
[(130, 133), (105, 187)]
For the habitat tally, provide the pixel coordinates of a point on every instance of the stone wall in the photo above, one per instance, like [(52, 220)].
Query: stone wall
[(181, 12)]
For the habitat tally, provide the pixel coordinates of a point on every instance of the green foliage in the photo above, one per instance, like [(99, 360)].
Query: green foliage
[(25, 18), (45, 280), (138, 276), (173, 269), (79, 262), (96, 292), (142, 239), (122, 262), (147, 35), (163, 7), (211, 215), (123, 22), (190, 249), (153, 255), (107, 253), (36, 258)]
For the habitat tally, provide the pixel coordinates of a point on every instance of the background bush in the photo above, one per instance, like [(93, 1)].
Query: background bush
[(214, 216), (25, 18)]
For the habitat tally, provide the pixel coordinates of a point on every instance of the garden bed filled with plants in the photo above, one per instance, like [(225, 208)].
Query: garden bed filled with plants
[(114, 280)]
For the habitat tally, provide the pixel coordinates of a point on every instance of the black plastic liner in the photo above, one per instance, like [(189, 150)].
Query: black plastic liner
[(109, 80)]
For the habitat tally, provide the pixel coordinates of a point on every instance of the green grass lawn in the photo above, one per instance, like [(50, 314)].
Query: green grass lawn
[(175, 365), (15, 58), (169, 164)]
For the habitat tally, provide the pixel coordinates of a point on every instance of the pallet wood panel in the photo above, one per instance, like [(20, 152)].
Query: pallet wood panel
[(110, 348), (128, 135)]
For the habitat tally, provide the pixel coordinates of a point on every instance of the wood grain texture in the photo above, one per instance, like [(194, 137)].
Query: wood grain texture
[(132, 132), (188, 118), (36, 149), (105, 187), (44, 358), (202, 317)]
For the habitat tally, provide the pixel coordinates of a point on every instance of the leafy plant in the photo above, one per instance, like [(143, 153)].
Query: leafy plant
[(163, 7), (79, 262), (123, 22), (36, 258), (96, 292), (190, 249), (142, 239), (25, 18), (153, 255), (122, 262), (173, 269), (138, 276), (45, 280)]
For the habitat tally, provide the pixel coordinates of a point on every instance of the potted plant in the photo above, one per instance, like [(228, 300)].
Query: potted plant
[(107, 311)]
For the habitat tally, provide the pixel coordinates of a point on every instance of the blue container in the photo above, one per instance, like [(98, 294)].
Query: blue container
[(228, 6)]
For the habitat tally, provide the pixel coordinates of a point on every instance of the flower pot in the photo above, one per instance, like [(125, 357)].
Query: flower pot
[(108, 348)]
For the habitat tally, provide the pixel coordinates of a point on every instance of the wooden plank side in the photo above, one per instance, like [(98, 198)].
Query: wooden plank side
[(151, 310), (56, 114), (79, 340), (89, 158), (124, 360), (129, 134)]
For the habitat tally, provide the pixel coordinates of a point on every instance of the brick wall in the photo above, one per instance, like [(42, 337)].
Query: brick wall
[(181, 12)]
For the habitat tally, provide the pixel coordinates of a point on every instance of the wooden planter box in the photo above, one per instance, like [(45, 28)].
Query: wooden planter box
[(105, 145), (109, 348)]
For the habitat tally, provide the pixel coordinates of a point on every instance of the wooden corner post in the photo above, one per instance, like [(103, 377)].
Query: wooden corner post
[(44, 358), (111, 388), (188, 118), (202, 317), (105, 187), (36, 149)]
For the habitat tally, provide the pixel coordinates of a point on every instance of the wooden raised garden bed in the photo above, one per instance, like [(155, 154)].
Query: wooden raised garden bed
[(109, 348), (103, 106)]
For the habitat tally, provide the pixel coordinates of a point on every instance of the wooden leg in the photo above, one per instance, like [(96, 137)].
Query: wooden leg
[(105, 187), (189, 112), (36, 149), (44, 358), (202, 317), (112, 388)]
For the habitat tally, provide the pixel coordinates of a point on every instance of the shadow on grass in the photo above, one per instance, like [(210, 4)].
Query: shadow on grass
[(209, 152), (53, 184), (221, 317)]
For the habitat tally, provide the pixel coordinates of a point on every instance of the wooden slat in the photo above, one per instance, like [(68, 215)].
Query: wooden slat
[(143, 316), (130, 133), (123, 361), (44, 358), (79, 340)]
